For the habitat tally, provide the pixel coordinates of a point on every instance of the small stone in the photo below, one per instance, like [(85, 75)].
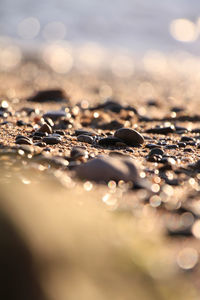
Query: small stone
[(23, 141), (130, 136), (84, 132), (55, 114), (156, 151), (40, 134), (20, 123), (85, 139), (162, 129), (171, 146), (40, 144), (188, 150), (57, 95), (51, 140), (113, 125), (182, 144), (151, 146), (109, 141), (187, 139), (45, 128)]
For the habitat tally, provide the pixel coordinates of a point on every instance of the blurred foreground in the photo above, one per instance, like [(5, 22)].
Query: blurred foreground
[(65, 244)]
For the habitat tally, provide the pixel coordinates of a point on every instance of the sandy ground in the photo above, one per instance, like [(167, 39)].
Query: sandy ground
[(171, 201)]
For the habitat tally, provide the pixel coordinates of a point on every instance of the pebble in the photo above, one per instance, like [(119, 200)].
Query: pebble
[(83, 132), (55, 114), (51, 140), (109, 141), (151, 146), (187, 139), (162, 129), (156, 151), (40, 134), (85, 138), (182, 144), (130, 136), (113, 125), (23, 141), (45, 128), (104, 169), (52, 95), (20, 123), (171, 146)]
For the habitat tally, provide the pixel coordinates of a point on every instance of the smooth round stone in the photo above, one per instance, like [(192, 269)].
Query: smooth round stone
[(51, 140), (174, 146), (83, 132), (45, 128), (23, 141), (156, 151), (129, 136), (55, 114), (104, 169), (109, 141), (85, 139)]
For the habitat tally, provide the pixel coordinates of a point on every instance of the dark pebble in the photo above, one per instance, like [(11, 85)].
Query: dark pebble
[(187, 139), (51, 140), (109, 141), (82, 131), (40, 134), (154, 158), (60, 132), (181, 144), (171, 146), (85, 139), (129, 136), (45, 128), (23, 141), (151, 146), (20, 123), (162, 130), (113, 125), (40, 144), (49, 96), (188, 150), (55, 114), (156, 151)]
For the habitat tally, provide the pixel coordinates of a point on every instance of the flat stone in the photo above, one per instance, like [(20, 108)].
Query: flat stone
[(156, 151), (45, 128), (56, 95), (109, 141), (55, 114), (162, 129), (51, 140), (23, 142), (104, 169), (85, 138), (129, 136), (84, 132)]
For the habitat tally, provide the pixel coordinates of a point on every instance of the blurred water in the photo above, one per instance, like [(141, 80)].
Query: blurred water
[(136, 25)]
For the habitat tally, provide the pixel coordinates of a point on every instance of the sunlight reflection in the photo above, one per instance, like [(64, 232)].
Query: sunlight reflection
[(29, 28), (183, 30), (58, 57)]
